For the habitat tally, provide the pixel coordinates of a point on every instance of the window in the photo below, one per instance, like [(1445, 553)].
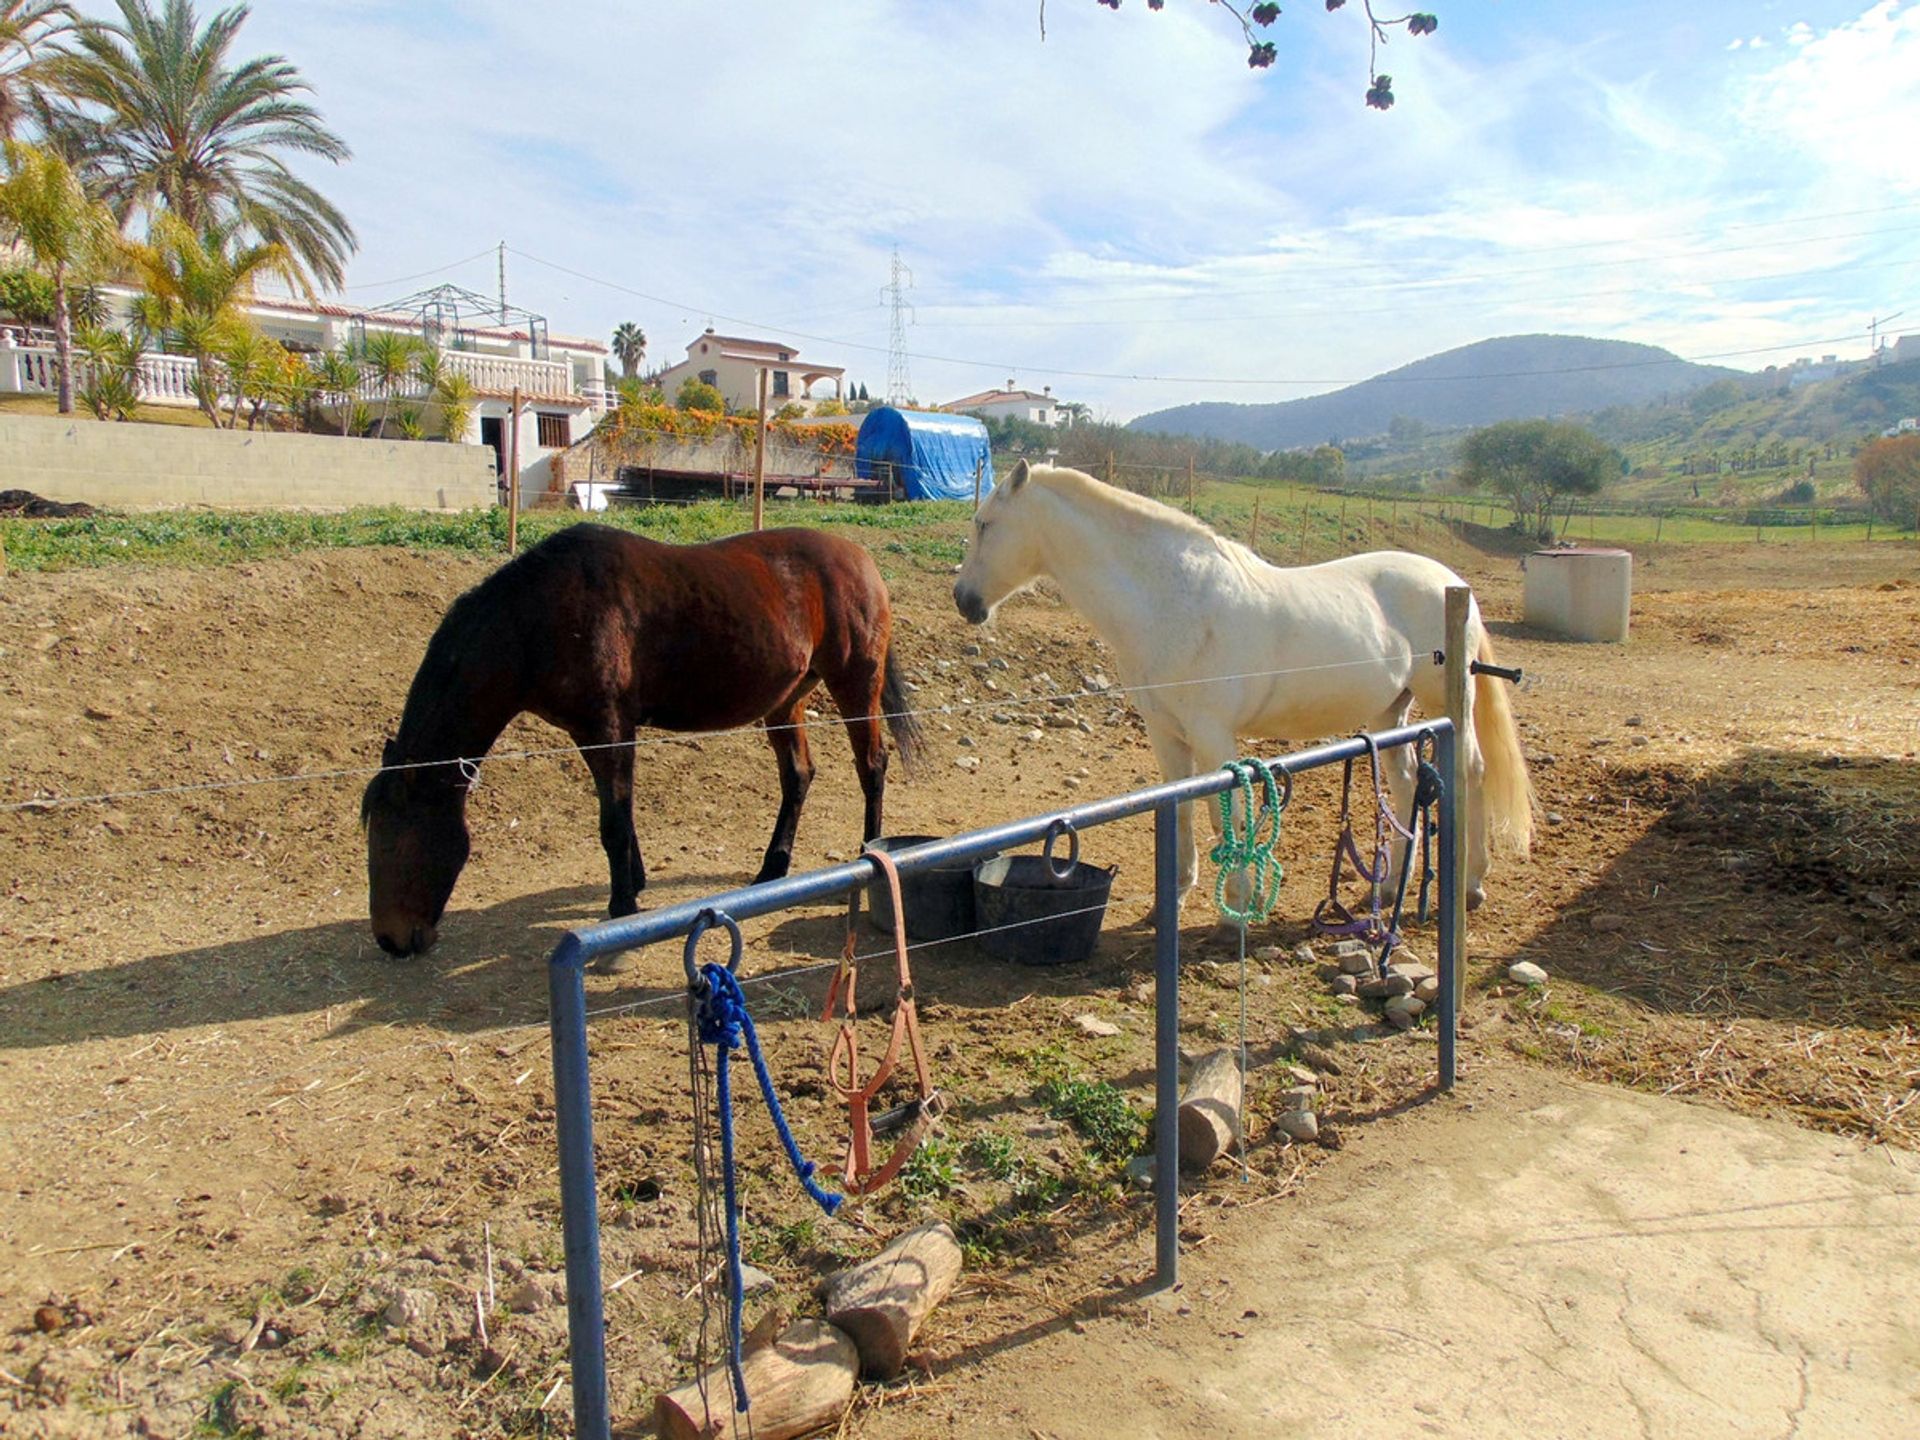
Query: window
[(780, 390), (710, 377), (555, 431)]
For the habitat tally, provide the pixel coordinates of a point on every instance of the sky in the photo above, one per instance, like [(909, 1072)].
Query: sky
[(1123, 210)]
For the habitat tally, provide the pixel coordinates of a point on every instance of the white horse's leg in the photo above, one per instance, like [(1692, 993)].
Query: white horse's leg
[(1176, 763)]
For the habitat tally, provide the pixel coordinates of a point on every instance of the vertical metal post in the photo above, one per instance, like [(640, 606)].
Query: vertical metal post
[(1166, 1045), (579, 1204), (1447, 761), (1453, 879)]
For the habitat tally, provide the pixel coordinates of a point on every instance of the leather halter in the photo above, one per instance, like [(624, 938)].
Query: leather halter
[(843, 1059)]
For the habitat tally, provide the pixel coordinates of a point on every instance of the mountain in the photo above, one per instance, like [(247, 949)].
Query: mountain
[(1517, 377)]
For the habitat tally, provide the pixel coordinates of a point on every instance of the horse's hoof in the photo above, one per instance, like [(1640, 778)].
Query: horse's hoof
[(1476, 897), (620, 908), (774, 870)]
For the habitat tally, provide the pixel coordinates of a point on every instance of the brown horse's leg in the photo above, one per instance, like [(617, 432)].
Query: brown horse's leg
[(787, 734), (612, 767), (858, 697)]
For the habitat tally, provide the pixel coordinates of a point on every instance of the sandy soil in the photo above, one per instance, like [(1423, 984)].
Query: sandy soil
[(228, 1117)]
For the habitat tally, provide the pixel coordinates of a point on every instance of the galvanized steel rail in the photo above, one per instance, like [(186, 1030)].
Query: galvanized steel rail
[(566, 973)]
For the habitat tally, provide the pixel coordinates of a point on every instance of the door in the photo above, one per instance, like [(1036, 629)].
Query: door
[(493, 432)]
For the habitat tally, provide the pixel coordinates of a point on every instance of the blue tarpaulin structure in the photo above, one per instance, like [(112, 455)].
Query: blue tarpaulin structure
[(929, 456)]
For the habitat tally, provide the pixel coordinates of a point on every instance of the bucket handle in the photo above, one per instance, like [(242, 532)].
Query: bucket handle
[(1055, 829)]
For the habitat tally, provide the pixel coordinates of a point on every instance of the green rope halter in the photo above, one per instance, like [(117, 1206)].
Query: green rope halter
[(1250, 846)]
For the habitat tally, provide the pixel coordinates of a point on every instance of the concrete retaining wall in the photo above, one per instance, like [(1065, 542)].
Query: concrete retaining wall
[(147, 467)]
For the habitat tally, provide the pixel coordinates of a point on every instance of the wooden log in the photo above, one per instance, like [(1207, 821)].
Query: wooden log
[(883, 1302), (800, 1382), (1210, 1109)]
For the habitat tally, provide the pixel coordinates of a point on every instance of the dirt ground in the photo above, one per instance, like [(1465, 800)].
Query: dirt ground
[(255, 1168)]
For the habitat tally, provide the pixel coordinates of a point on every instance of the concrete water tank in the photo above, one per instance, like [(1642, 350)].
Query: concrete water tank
[(1582, 593)]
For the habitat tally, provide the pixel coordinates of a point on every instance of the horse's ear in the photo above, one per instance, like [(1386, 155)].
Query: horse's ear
[(1018, 477)]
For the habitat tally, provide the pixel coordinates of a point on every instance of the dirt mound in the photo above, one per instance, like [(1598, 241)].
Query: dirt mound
[(26, 505)]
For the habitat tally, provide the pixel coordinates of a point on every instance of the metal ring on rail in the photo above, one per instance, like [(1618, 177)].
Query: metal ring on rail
[(1057, 827), (702, 923), (1286, 785)]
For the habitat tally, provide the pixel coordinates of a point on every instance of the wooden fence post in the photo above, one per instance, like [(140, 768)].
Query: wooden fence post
[(1459, 598), (760, 455), (513, 475)]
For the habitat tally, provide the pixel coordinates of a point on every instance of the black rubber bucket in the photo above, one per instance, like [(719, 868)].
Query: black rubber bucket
[(1036, 910), (938, 900)]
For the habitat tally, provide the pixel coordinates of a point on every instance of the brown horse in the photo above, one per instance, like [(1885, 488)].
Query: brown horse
[(599, 632)]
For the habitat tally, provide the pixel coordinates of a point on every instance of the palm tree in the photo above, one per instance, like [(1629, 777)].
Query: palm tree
[(28, 29), (44, 206), (629, 348), (169, 124), (388, 359), (194, 285)]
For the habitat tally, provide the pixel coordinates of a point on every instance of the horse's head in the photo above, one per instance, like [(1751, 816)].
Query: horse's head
[(1005, 553), (416, 824)]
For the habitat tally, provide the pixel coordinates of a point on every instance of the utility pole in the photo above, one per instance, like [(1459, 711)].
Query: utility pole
[(503, 282), (1873, 336)]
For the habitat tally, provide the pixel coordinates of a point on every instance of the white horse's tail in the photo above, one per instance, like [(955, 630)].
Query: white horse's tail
[(1506, 788)]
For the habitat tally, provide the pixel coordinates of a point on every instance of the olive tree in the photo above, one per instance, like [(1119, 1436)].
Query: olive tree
[(1533, 463)]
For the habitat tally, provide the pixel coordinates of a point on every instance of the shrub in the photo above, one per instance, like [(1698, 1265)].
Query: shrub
[(698, 395), (26, 295), (1888, 474)]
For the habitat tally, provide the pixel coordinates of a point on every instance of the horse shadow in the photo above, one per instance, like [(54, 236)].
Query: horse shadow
[(486, 973), (1782, 885)]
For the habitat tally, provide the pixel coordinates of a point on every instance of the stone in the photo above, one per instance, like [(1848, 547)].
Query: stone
[(1345, 984), (1346, 999), (1269, 952), (1343, 948), (530, 1295), (1140, 1171), (1299, 1097), (966, 740), (1033, 735), (1428, 989), (1525, 972), (1303, 954), (1384, 987), (967, 762), (1094, 1025), (1412, 970), (1357, 962), (969, 649), (1297, 1124), (1097, 682), (754, 1281), (998, 663), (1403, 1010), (408, 1307), (1554, 817), (1301, 1075)]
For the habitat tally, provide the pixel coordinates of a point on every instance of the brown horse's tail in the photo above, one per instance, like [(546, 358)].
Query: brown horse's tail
[(909, 736)]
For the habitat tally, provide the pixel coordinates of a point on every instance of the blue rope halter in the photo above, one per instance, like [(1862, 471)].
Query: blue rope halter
[(720, 1015)]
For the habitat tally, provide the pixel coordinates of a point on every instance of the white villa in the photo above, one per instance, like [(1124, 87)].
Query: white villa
[(561, 379), (732, 365), (1014, 404)]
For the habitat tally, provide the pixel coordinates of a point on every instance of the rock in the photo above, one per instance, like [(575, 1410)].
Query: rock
[(534, 1293), (1094, 1025), (1384, 987), (1140, 1171), (1032, 735), (1060, 721), (1412, 970), (1301, 1075), (1297, 1124), (1345, 984), (1073, 782), (1525, 972), (967, 762), (1641, 740), (1357, 962), (965, 740), (1269, 952), (998, 663), (408, 1307), (1554, 817), (1346, 999), (1299, 1097), (1632, 720), (1403, 1010), (1303, 954), (754, 1281), (1428, 989), (49, 1318), (1343, 948)]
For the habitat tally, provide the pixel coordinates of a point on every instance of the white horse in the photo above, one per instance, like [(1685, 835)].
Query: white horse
[(1213, 643)]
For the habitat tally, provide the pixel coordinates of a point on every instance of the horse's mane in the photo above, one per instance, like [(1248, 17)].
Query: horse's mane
[(1078, 484)]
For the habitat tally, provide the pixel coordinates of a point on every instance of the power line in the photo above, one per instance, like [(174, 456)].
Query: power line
[(421, 275), (1004, 367)]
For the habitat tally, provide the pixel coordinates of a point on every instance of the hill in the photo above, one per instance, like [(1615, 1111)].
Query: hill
[(1512, 378)]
